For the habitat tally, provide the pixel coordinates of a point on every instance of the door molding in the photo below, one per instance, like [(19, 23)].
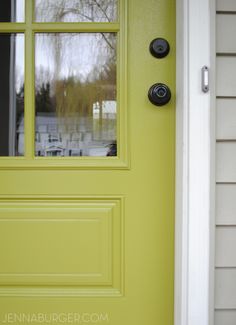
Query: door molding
[(195, 180)]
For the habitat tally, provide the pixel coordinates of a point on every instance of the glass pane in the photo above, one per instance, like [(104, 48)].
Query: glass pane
[(75, 10), (12, 95), (76, 94), (12, 10)]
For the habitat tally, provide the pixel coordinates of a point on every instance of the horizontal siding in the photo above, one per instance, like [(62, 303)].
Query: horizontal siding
[(225, 240), (226, 76), (225, 235), (225, 317), (226, 162), (225, 25), (225, 5), (225, 204), (225, 288), (226, 119)]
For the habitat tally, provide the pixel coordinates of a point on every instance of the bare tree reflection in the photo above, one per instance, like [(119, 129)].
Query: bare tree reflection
[(80, 72), (75, 10)]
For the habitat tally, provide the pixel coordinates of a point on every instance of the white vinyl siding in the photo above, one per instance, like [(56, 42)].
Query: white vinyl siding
[(226, 119), (225, 236), (225, 204), (226, 317), (225, 5)]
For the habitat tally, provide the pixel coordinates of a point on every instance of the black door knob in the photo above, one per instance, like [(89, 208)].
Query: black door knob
[(159, 94), (159, 48)]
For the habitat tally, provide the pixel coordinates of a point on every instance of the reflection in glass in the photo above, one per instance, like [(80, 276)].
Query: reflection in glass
[(75, 10), (75, 94), (12, 95), (12, 10)]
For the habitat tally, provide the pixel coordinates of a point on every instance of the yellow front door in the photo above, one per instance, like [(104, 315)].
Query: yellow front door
[(86, 162)]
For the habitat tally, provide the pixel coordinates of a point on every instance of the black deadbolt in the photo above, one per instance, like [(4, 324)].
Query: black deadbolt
[(159, 48), (159, 94)]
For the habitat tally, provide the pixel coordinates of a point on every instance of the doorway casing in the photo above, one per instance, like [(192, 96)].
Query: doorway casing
[(195, 171)]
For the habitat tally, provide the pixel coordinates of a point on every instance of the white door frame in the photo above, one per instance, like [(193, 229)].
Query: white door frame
[(195, 180)]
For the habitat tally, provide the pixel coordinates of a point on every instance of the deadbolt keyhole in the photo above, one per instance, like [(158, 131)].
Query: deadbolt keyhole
[(159, 48)]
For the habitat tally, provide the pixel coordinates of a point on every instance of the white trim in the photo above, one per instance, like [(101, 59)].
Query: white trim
[(194, 162)]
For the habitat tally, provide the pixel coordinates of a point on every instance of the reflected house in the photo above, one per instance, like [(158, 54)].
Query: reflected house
[(74, 135)]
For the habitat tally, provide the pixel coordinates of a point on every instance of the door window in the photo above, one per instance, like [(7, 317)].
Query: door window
[(12, 11), (12, 94), (63, 81), (75, 94), (75, 10)]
